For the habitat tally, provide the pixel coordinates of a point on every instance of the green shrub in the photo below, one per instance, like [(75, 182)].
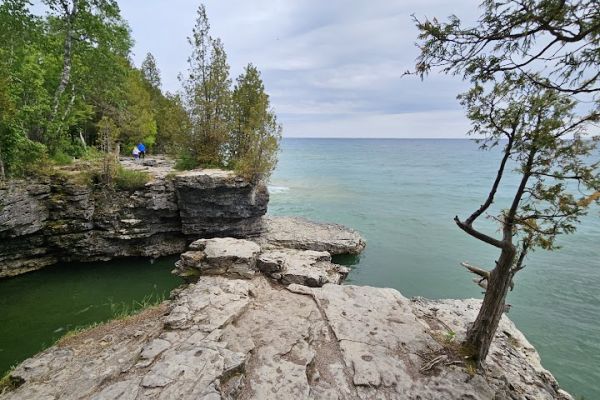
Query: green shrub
[(186, 161), (128, 179), (61, 158), (91, 154)]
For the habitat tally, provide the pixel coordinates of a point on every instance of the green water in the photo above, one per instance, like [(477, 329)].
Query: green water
[(38, 308), (402, 196)]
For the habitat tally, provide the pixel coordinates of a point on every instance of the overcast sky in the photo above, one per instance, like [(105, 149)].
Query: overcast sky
[(333, 68)]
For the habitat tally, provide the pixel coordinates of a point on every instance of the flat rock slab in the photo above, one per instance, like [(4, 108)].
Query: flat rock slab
[(252, 339), (302, 234), (304, 267), (219, 256)]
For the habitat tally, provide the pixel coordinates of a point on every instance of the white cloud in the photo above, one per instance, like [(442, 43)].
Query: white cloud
[(324, 63), (427, 124)]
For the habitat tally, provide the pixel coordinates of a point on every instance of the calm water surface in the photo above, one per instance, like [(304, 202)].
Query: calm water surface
[(38, 308), (402, 195)]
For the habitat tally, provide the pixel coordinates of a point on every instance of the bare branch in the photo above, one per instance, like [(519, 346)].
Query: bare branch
[(478, 235)]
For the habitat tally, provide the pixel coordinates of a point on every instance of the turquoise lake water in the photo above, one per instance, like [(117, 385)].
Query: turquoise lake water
[(402, 196)]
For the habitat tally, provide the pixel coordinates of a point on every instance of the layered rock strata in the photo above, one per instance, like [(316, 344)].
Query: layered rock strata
[(224, 337), (59, 220)]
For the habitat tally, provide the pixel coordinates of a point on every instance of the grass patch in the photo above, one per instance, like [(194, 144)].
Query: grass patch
[(8, 382), (119, 312), (123, 310), (186, 162), (128, 179)]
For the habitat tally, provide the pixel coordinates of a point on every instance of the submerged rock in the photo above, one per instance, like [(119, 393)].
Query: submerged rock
[(224, 338)]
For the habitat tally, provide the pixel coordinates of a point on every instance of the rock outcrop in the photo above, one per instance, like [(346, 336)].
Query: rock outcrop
[(288, 333), (227, 338), (302, 234), (54, 220)]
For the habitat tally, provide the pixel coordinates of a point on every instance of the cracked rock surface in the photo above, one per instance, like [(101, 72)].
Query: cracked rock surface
[(229, 338)]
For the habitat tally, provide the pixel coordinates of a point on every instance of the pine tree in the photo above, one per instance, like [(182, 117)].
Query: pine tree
[(255, 135), (151, 72), (533, 66), (208, 95)]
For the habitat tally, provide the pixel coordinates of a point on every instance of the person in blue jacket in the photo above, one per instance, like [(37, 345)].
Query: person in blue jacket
[(142, 150)]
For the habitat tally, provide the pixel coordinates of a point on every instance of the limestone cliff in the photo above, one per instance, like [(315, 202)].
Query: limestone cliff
[(50, 220)]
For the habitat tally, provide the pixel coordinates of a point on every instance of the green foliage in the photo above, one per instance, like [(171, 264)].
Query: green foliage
[(227, 129), (67, 85), (60, 158), (8, 382), (136, 122), (172, 123), (255, 135), (208, 95), (186, 161), (533, 69), (128, 179), (150, 71)]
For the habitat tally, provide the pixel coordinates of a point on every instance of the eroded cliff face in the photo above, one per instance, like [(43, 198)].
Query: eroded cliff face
[(47, 221)]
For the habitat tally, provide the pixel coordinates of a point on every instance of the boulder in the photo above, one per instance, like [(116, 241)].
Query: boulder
[(219, 256), (304, 267)]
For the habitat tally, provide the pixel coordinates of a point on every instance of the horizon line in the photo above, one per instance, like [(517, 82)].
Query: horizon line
[(376, 138)]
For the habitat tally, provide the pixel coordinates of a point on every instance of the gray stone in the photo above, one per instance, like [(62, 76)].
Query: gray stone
[(43, 222), (219, 256), (305, 267), (251, 339), (302, 234)]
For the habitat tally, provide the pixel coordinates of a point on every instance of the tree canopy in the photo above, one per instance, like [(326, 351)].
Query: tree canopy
[(67, 75)]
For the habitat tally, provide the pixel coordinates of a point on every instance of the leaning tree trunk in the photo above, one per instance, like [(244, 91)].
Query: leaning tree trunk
[(481, 333)]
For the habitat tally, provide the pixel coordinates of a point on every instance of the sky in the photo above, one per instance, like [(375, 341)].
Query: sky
[(332, 68)]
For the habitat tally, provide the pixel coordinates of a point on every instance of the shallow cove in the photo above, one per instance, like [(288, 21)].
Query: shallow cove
[(39, 307)]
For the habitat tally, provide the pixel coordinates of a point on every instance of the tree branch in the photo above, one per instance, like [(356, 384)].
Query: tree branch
[(478, 235), (490, 198)]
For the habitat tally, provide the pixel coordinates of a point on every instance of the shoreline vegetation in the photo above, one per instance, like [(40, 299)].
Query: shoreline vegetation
[(69, 91)]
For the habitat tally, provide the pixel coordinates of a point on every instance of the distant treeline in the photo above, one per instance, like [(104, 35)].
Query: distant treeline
[(68, 85)]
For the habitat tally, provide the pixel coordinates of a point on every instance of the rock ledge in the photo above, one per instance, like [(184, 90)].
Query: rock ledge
[(224, 337)]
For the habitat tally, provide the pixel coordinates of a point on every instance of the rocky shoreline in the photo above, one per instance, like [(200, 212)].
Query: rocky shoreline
[(263, 316), (266, 319), (59, 219)]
